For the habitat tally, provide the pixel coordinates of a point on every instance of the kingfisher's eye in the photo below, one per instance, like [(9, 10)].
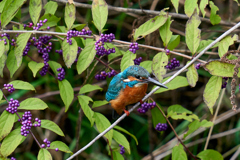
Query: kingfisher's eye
[(138, 77)]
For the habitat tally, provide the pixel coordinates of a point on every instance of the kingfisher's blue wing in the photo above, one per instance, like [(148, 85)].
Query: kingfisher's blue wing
[(114, 88)]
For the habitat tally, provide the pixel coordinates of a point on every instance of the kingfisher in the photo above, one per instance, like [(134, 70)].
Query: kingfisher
[(129, 87)]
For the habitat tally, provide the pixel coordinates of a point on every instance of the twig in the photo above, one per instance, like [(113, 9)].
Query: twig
[(235, 154)]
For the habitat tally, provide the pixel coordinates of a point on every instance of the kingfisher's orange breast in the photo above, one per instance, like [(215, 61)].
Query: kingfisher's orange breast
[(128, 96)]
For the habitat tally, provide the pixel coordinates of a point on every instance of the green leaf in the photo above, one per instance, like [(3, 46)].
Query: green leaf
[(1, 94), (2, 46), (211, 91), (54, 66), (69, 52), (121, 139), (84, 101), (147, 65), (193, 126), (203, 44), (50, 7), (70, 15), (117, 155), (224, 44), (12, 63), (18, 84), (125, 131), (99, 13), (86, 57), (151, 25), (178, 109), (2, 4), (178, 153), (11, 142), (174, 42), (210, 154), (157, 116), (6, 124), (113, 55), (35, 7), (78, 27), (99, 103), (10, 9), (33, 104), (102, 123), (190, 6), (192, 75), (214, 18), (51, 21), (66, 93), (175, 4), (165, 32), (44, 154), (35, 67), (159, 62), (202, 6), (127, 60), (177, 82), (3, 59), (21, 43), (50, 125), (193, 34), (2, 101), (61, 146), (89, 88)]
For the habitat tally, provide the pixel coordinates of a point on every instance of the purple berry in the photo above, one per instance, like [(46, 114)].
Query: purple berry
[(56, 149)]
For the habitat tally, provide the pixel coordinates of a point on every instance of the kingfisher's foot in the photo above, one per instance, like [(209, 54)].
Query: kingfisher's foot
[(141, 102), (127, 113)]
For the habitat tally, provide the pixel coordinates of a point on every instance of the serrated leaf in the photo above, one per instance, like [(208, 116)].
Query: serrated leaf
[(99, 13), (159, 62), (214, 18), (190, 6), (50, 7), (54, 66), (210, 154), (11, 142), (157, 116), (99, 103), (192, 75), (117, 155), (88, 88), (35, 67), (12, 63), (127, 60), (35, 7), (174, 42), (165, 32), (178, 153), (18, 84), (70, 15), (193, 34), (202, 6), (121, 139), (33, 104), (147, 65), (84, 101), (86, 57), (66, 93), (10, 9), (50, 125), (43, 154), (21, 43), (69, 52), (175, 4), (6, 123), (125, 131), (177, 82), (61, 146), (193, 126), (51, 21), (151, 25), (211, 91), (102, 123), (224, 44)]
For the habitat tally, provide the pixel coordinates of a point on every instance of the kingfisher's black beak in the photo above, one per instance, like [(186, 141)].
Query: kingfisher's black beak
[(151, 80)]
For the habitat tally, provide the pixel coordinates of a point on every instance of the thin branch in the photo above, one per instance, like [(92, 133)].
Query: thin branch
[(235, 155)]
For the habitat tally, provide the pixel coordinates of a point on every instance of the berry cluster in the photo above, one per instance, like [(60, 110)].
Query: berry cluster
[(146, 106), (173, 64), (39, 25), (78, 52), (99, 44), (74, 33), (133, 47), (61, 75), (161, 127), (103, 75), (122, 150), (224, 85), (9, 87), (137, 61), (27, 123), (198, 66), (47, 143), (26, 49), (12, 106), (60, 52)]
